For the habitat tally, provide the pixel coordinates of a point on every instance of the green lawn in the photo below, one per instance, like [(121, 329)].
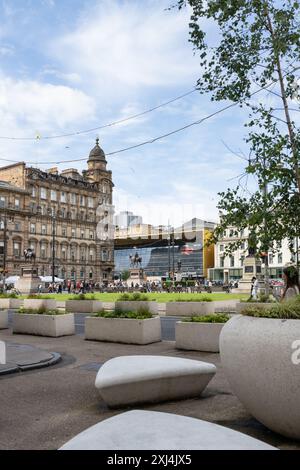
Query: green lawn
[(159, 297)]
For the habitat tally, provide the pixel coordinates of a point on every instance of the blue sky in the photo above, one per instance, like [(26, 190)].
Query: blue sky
[(68, 65)]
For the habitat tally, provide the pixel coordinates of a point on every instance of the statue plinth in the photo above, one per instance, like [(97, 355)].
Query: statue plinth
[(29, 280), (251, 268), (137, 275)]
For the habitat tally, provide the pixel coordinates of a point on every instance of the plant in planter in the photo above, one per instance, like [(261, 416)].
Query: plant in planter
[(10, 300), (83, 303), (133, 327), (132, 302), (260, 352), (36, 301), (200, 333), (190, 307), (264, 301), (43, 322)]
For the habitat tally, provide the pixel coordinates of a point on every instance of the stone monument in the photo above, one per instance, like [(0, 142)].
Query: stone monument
[(29, 280), (137, 274), (251, 268)]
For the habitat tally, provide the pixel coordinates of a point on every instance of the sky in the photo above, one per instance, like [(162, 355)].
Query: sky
[(72, 65)]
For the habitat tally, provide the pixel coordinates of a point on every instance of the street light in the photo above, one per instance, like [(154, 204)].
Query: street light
[(53, 219), (4, 247)]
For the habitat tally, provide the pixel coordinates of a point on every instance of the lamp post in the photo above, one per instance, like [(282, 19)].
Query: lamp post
[(4, 248), (53, 219)]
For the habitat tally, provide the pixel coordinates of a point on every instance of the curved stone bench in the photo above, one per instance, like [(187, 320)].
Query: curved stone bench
[(139, 379), (152, 430)]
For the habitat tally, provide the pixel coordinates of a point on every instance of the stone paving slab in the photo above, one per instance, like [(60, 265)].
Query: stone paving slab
[(44, 408)]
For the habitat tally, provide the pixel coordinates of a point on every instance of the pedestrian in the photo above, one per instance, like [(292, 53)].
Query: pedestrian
[(291, 283), (254, 288)]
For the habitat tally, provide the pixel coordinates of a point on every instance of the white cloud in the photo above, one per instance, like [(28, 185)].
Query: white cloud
[(119, 47), (28, 104)]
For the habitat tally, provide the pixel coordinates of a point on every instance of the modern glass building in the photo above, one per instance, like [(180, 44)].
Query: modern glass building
[(165, 251)]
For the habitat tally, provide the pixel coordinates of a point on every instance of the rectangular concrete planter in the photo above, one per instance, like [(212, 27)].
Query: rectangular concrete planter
[(188, 309), (35, 304), (3, 319), (83, 306), (242, 305), (198, 336), (44, 325), (123, 330), (11, 303), (135, 305)]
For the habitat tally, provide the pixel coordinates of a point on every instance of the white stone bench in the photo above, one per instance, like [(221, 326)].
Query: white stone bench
[(152, 430), (138, 379)]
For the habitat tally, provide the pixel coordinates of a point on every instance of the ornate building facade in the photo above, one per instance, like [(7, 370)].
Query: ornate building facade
[(69, 211)]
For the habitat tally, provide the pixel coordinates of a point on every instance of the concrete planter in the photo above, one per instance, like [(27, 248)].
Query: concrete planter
[(44, 325), (84, 306), (198, 336), (131, 305), (49, 304), (261, 358), (11, 303), (240, 306), (3, 319), (189, 309), (123, 330)]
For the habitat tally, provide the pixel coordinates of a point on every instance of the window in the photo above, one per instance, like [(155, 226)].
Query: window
[(73, 254), (231, 261), (82, 254), (82, 200), (43, 250), (221, 247), (91, 235), (17, 248), (2, 201), (33, 191), (43, 193), (73, 198), (242, 245), (17, 203), (64, 231), (280, 259), (104, 255), (271, 258), (63, 196), (242, 260), (53, 195), (92, 253), (17, 226), (222, 261), (63, 252), (82, 234), (32, 228), (231, 232), (81, 273), (63, 213), (91, 202), (1, 248), (73, 233), (44, 229)]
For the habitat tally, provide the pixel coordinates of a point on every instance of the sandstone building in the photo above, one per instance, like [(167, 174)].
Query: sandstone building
[(74, 210)]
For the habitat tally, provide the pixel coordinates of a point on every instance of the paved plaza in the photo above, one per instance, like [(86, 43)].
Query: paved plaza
[(44, 408)]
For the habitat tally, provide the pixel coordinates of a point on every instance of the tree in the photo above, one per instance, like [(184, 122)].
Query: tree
[(125, 275), (257, 53)]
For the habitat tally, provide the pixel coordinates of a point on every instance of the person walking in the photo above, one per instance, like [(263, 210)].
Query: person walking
[(291, 283), (254, 288)]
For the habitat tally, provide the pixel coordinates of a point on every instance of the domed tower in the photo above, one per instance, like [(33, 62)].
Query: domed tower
[(97, 173)]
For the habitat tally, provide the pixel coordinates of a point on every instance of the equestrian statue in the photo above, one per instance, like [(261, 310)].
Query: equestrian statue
[(29, 255), (135, 261)]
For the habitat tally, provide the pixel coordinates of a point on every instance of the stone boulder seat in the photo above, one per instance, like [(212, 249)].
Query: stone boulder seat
[(128, 380), (152, 430)]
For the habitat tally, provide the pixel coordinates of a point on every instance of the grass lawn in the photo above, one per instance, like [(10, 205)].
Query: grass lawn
[(159, 297)]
